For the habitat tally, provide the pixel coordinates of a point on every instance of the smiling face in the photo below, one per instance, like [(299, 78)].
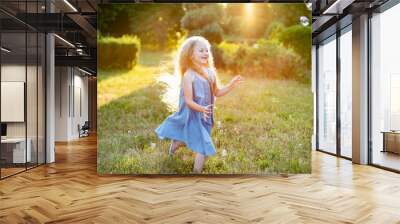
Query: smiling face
[(200, 54)]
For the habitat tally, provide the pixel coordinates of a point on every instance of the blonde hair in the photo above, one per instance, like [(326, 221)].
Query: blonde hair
[(184, 59)]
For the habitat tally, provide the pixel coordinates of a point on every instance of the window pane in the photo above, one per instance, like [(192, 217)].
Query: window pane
[(346, 93), (386, 89), (327, 96)]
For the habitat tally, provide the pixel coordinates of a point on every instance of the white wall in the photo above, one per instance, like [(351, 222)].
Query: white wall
[(12, 73), (79, 117), (70, 83), (62, 81)]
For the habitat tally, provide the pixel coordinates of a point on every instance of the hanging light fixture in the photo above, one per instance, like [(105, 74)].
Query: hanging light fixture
[(70, 5), (84, 71), (64, 40), (5, 50)]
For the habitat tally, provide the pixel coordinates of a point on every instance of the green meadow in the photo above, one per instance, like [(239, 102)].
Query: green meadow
[(265, 125)]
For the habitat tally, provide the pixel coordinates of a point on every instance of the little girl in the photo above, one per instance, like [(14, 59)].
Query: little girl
[(191, 125)]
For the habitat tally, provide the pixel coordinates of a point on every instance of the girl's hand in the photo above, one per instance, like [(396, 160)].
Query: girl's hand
[(207, 110), (236, 80)]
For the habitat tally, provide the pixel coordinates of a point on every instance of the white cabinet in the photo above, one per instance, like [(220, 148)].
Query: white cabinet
[(18, 149)]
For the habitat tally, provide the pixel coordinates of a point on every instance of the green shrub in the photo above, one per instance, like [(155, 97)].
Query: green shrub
[(228, 51), (298, 38), (265, 58), (118, 53), (218, 55), (273, 30)]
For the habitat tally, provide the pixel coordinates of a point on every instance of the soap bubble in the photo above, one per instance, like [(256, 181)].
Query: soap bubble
[(304, 20)]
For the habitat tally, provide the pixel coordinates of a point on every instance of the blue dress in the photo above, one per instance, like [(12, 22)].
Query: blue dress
[(189, 126)]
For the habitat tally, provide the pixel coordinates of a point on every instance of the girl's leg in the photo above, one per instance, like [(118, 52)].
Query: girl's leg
[(198, 163), (174, 146)]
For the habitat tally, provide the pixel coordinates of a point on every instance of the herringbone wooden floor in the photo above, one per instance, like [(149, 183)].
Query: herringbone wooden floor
[(70, 191)]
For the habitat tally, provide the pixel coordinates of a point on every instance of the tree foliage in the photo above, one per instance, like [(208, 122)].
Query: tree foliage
[(162, 26), (157, 25), (289, 14), (109, 19), (203, 19)]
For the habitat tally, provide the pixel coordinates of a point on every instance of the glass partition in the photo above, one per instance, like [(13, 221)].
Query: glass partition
[(22, 78), (14, 152), (32, 95), (41, 110)]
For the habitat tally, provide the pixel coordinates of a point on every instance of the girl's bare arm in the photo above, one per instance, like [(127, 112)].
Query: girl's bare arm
[(226, 89)]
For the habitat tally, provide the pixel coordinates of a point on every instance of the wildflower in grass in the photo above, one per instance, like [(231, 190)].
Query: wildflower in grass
[(152, 145), (275, 100), (219, 124), (224, 153)]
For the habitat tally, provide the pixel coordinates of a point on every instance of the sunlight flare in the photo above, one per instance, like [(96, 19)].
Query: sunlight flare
[(171, 95), (249, 9)]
